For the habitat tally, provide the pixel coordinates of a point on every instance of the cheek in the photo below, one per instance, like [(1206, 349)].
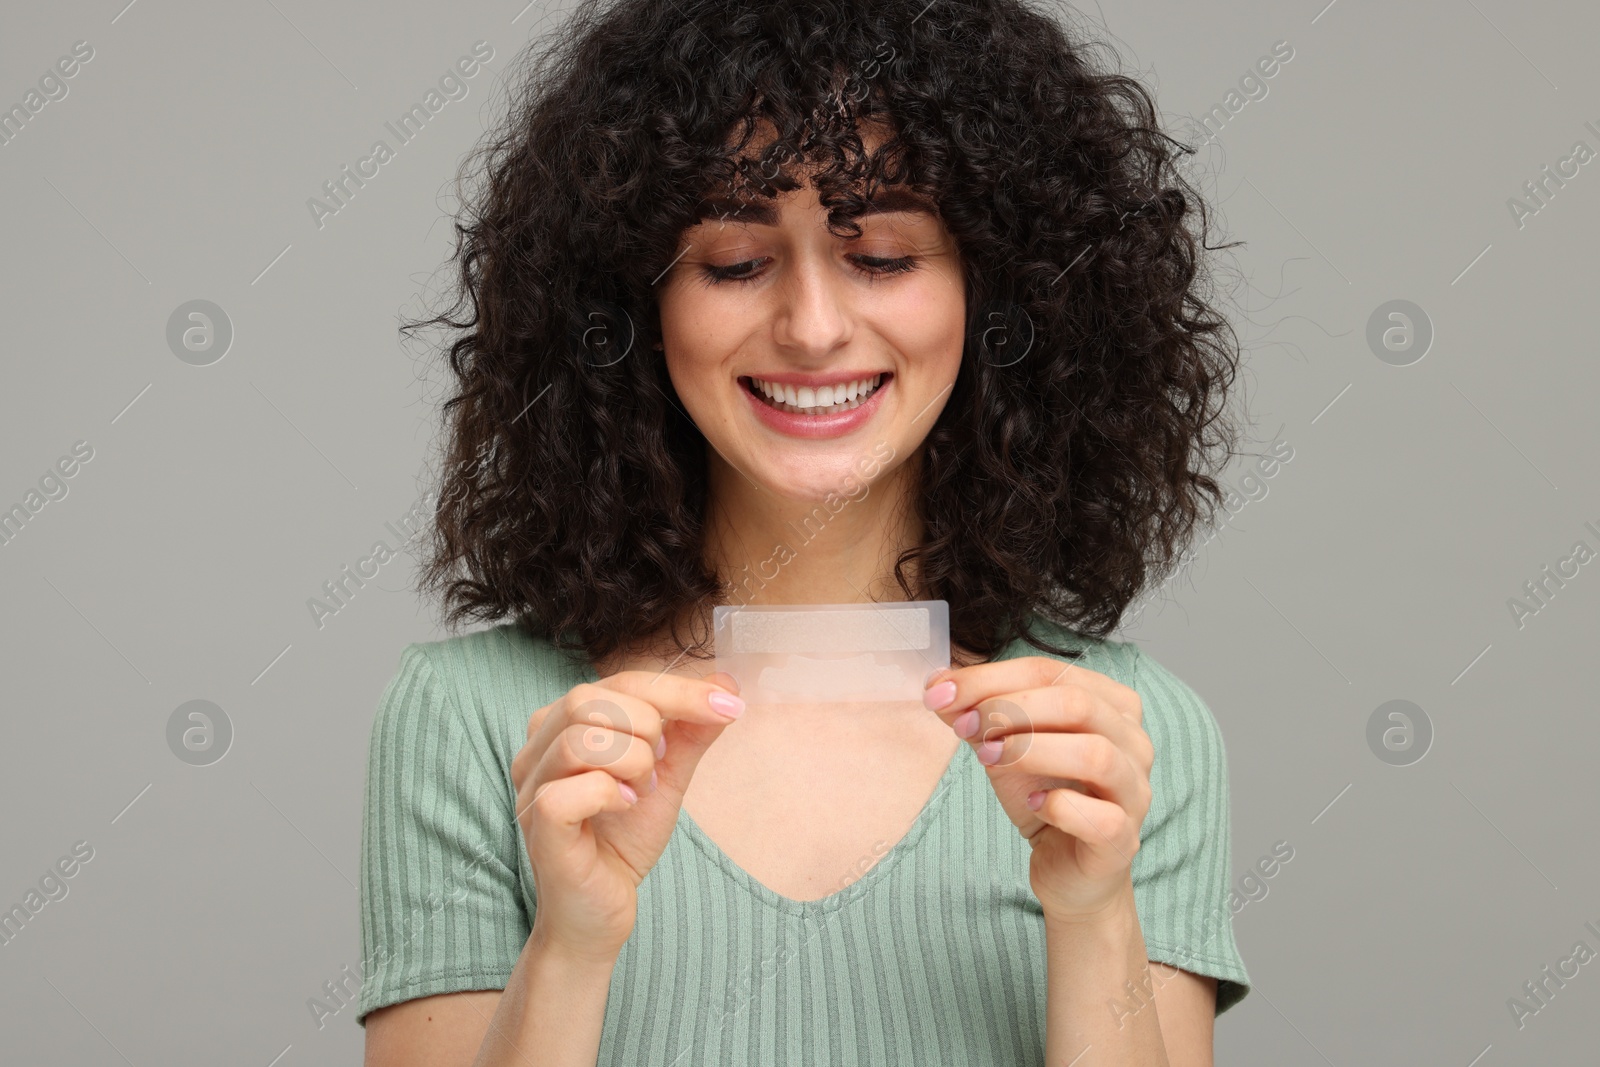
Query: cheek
[(691, 380), (929, 330), (927, 320), (705, 387), (680, 372), (691, 353), (946, 313)]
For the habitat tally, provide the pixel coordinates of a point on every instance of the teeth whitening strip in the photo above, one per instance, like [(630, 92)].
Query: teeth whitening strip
[(821, 653)]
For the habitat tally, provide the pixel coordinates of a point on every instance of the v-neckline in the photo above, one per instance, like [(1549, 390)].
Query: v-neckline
[(861, 886)]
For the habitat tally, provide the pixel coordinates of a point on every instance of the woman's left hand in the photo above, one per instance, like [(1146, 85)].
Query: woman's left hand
[(1038, 723)]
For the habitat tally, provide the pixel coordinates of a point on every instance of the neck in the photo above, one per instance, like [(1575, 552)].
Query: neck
[(841, 550)]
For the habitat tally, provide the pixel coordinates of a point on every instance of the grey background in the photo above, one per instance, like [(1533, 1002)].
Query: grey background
[(1378, 565)]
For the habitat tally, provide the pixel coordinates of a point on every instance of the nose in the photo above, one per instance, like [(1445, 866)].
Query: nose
[(813, 316)]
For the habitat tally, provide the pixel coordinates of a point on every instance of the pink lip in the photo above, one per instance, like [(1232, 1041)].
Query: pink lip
[(817, 426)]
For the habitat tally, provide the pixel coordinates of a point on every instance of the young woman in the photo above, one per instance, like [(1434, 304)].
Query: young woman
[(811, 303)]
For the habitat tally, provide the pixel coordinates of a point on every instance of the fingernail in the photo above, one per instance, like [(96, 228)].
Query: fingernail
[(966, 723), (939, 696), (989, 752), (1036, 799), (627, 792), (652, 781), (726, 704), (661, 746)]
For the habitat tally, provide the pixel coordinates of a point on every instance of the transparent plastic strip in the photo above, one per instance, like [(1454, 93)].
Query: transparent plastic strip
[(820, 653)]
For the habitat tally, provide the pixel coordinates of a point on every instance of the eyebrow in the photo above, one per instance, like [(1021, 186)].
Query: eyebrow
[(765, 213)]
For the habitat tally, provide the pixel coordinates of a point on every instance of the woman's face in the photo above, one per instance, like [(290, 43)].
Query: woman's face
[(862, 336)]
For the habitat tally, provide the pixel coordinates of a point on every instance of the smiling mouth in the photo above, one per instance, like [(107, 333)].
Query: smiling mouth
[(823, 400)]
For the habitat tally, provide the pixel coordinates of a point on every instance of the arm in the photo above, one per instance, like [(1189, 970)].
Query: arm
[(549, 1015), (1186, 1004), (1094, 967), (445, 1029), (1109, 1005)]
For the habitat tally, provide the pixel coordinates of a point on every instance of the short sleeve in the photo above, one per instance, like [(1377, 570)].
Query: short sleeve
[(1181, 872), (441, 909)]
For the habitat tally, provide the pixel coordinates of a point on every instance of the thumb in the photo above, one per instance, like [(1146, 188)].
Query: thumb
[(687, 741)]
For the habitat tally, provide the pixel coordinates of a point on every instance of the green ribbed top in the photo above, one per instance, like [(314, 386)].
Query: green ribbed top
[(935, 955)]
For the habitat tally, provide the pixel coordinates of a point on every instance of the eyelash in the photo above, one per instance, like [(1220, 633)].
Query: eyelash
[(883, 265)]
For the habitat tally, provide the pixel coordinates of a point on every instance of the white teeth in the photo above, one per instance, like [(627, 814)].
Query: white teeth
[(821, 400)]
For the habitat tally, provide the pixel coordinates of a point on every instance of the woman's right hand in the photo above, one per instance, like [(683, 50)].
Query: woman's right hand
[(599, 785)]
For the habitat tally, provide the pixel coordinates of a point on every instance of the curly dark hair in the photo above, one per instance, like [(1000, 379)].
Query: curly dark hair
[(1058, 481)]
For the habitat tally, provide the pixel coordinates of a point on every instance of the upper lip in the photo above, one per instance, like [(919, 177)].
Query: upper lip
[(816, 381)]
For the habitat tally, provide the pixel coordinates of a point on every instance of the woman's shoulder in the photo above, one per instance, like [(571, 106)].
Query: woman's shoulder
[(1113, 658), (509, 649), (486, 681), (1171, 705)]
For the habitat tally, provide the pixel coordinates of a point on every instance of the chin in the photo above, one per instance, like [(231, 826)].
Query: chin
[(844, 475)]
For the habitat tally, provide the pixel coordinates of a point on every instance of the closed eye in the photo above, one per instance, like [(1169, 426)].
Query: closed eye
[(871, 266)]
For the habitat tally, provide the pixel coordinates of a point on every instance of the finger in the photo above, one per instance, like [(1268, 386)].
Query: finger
[(680, 703), (678, 696), (638, 702), (951, 691), (1088, 758), (592, 705), (1099, 824), (552, 813), (726, 680), (1053, 709), (586, 746)]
